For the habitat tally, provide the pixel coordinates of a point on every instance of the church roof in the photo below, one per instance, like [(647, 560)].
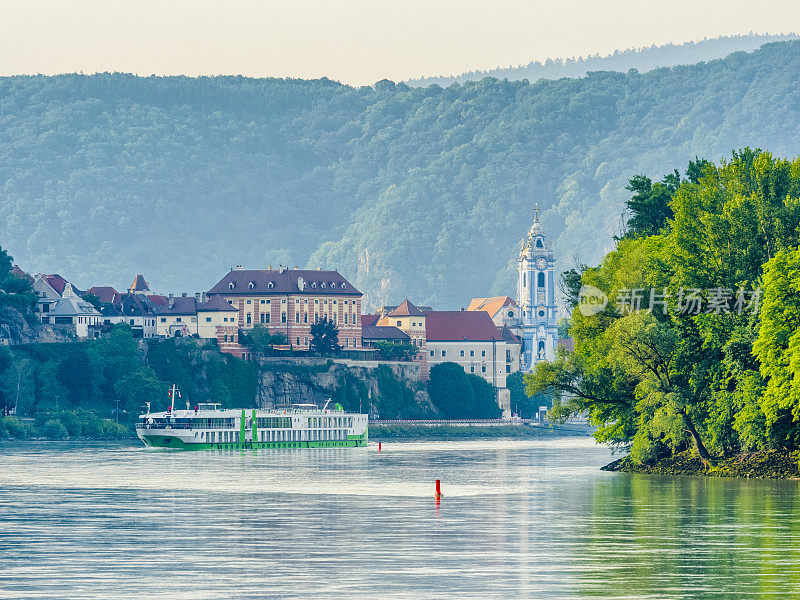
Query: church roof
[(139, 284)]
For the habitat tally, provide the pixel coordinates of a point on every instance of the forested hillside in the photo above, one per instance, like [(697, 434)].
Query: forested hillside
[(641, 59), (419, 192)]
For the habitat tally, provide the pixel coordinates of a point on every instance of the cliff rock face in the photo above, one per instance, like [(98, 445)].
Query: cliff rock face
[(315, 380), (15, 329)]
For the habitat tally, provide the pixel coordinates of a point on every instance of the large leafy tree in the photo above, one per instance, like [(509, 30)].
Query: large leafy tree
[(325, 337)]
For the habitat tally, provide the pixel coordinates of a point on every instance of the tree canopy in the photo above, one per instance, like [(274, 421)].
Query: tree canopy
[(697, 344)]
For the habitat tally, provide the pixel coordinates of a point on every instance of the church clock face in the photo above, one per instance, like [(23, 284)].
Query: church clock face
[(541, 263)]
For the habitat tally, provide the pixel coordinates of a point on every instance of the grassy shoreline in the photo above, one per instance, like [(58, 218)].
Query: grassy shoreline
[(769, 464)]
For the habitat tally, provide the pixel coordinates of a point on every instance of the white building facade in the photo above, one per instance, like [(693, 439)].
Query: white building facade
[(536, 298)]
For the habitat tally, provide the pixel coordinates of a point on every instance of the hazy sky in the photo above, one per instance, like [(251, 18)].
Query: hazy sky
[(353, 41)]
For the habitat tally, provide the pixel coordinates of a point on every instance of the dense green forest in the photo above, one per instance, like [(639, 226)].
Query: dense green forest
[(699, 345), (419, 192), (642, 59)]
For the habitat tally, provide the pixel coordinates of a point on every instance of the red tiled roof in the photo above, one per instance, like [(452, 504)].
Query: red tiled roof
[(267, 283), (56, 281), (105, 293), (386, 332), (17, 272), (157, 300), (182, 305), (406, 309), (508, 336), (217, 304), (369, 320), (458, 325)]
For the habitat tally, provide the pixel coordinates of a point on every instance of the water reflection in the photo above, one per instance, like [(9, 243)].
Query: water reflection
[(517, 520)]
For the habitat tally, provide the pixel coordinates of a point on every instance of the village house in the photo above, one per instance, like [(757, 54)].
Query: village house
[(290, 301), (135, 310), (59, 303), (471, 340)]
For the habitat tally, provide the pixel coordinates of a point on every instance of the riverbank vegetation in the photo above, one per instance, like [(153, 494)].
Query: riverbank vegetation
[(697, 348)]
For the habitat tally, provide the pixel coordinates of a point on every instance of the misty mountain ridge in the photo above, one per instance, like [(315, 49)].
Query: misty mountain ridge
[(423, 193), (642, 59)]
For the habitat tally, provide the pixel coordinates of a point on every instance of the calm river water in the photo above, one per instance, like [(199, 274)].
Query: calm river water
[(519, 519)]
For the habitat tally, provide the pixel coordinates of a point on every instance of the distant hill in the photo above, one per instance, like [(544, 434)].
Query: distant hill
[(419, 192), (641, 59)]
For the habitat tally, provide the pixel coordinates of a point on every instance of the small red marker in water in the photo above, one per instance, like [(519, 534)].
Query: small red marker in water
[(438, 489), (379, 446)]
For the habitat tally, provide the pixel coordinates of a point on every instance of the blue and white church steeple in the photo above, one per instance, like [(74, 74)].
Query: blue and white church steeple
[(536, 296)]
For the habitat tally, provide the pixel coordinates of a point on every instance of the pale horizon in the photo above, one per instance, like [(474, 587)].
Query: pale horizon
[(357, 43)]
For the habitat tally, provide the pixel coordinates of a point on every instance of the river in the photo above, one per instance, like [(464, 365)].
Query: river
[(519, 519)]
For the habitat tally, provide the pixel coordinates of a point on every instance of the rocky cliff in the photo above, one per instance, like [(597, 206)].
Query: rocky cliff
[(389, 390), (17, 328)]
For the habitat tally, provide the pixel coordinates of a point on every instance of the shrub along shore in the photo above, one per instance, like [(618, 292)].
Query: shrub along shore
[(63, 425), (767, 464)]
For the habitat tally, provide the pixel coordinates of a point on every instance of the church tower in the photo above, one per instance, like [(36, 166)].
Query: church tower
[(536, 296)]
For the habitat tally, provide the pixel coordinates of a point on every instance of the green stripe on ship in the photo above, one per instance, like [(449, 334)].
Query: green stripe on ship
[(159, 441)]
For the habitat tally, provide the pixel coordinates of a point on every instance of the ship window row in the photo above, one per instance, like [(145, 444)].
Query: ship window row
[(273, 422), (291, 435), (330, 422)]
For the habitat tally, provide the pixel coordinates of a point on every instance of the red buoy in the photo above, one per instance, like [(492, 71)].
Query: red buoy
[(379, 446), (438, 489)]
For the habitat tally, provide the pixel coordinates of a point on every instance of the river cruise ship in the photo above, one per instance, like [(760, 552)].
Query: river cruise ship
[(210, 427)]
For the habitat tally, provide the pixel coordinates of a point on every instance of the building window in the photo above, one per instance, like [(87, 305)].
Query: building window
[(297, 319), (472, 369), (462, 353), (483, 368), (540, 280), (208, 319), (345, 319), (283, 317), (444, 353), (483, 352), (431, 353), (249, 318), (305, 341), (305, 317), (262, 301), (163, 319), (399, 323), (472, 352), (249, 301), (298, 341), (177, 319), (354, 343)]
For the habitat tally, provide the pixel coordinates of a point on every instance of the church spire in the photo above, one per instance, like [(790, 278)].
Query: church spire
[(536, 212)]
